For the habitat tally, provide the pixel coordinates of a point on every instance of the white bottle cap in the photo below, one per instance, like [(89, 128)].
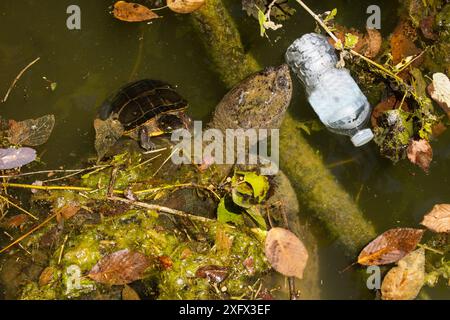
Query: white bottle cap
[(362, 137)]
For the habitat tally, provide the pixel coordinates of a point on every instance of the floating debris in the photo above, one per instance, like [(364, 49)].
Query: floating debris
[(15, 158)]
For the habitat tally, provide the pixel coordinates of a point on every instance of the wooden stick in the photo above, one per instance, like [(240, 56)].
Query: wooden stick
[(18, 77)]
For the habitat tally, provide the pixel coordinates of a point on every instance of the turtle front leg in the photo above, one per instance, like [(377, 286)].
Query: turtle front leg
[(144, 139)]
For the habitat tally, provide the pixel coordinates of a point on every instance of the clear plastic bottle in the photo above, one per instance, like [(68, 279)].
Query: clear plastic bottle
[(332, 92)]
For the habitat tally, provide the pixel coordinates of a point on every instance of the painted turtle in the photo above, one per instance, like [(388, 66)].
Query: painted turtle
[(139, 110)]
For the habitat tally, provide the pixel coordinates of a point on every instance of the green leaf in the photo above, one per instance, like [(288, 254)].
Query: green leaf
[(255, 214), (331, 15), (259, 183), (350, 41), (262, 20), (226, 212)]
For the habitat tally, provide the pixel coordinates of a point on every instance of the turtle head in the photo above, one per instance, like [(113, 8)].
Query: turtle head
[(168, 123)]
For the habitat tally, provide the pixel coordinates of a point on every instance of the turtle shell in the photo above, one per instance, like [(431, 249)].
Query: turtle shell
[(141, 101)]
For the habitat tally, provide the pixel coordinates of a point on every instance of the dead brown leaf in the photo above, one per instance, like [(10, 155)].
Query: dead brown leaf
[(286, 252), (67, 212), (165, 262), (373, 40), (16, 221), (213, 273), (120, 267), (405, 281), (31, 132), (402, 43), (438, 219), (46, 276), (420, 153), (132, 12), (390, 246), (185, 6), (128, 293)]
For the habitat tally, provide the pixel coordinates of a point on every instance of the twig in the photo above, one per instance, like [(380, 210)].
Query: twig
[(165, 161), (20, 245), (424, 246), (52, 171), (62, 249), (162, 209), (340, 163), (181, 185), (28, 233), (18, 77), (18, 207), (95, 168), (112, 181)]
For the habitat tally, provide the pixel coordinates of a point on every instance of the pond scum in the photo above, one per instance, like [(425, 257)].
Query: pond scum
[(128, 229)]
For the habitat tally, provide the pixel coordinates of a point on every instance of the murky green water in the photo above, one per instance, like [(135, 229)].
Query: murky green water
[(90, 64)]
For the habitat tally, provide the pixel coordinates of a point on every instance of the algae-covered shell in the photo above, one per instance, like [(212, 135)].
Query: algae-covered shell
[(15, 158)]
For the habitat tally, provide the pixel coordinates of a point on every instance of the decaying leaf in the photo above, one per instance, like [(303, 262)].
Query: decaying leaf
[(15, 158), (438, 219), (67, 212), (185, 6), (390, 246), (286, 252), (165, 262), (405, 281), (213, 273), (373, 40), (439, 91), (120, 267), (128, 293), (107, 132), (132, 12), (31, 132), (16, 221), (420, 153), (402, 43), (47, 276)]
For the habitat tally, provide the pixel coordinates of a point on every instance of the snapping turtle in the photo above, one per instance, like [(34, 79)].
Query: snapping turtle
[(139, 110)]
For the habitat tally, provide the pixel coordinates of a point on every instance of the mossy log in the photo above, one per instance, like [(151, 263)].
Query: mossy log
[(317, 188), (221, 39)]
